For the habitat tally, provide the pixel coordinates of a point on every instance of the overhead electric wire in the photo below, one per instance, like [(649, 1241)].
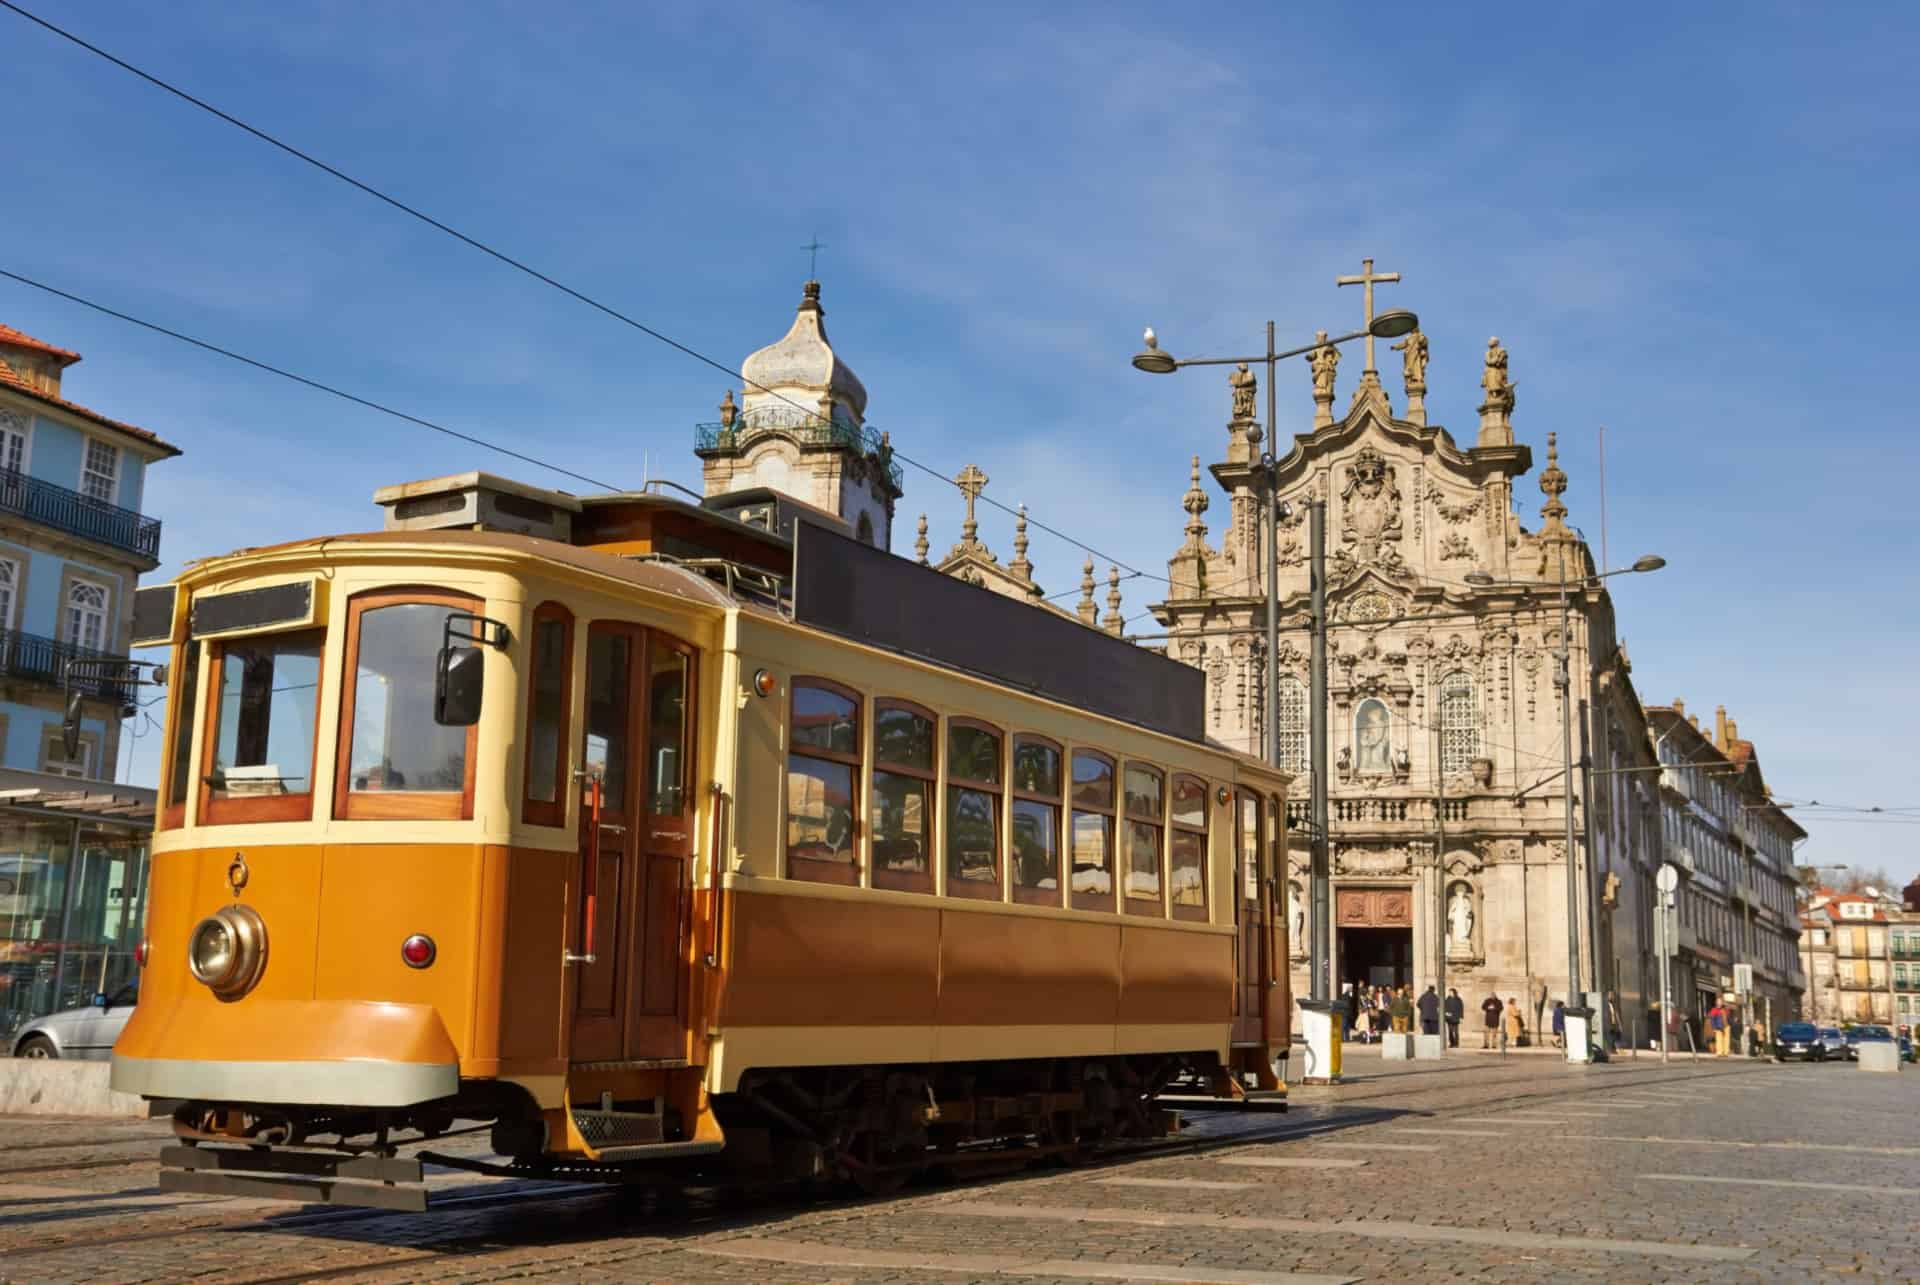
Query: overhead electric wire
[(301, 379), (507, 259)]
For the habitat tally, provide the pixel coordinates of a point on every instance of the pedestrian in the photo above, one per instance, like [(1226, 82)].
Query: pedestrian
[(1401, 1011), (1430, 1012), (1717, 1024), (1455, 1009), (1760, 1039), (1559, 1024), (1515, 1031), (1490, 1014), (1363, 1026), (1349, 1009)]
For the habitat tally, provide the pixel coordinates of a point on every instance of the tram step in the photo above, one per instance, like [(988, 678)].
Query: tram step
[(603, 1128), (309, 1177)]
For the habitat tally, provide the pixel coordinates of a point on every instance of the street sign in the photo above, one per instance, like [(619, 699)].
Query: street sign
[(1670, 921), (1743, 978), (1668, 879)]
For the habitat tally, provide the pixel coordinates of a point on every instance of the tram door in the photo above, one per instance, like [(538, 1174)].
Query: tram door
[(630, 1002), (1250, 919)]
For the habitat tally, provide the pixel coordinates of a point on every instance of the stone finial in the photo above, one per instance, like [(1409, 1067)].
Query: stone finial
[(1553, 482), (810, 297), (1114, 621), (971, 482), (1195, 503), (729, 411), (1325, 362), (920, 545), (1020, 566), (1089, 613)]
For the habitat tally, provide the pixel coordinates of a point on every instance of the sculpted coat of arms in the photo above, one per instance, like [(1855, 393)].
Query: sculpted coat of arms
[(1370, 506)]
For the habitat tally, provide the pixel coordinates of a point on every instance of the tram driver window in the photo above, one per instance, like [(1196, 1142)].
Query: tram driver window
[(260, 761), (398, 762), (1146, 794), (973, 809), (823, 774)]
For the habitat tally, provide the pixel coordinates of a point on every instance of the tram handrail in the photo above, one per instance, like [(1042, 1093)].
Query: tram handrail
[(590, 877), (718, 862)]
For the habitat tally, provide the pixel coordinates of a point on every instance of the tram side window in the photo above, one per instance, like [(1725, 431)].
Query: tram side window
[(973, 809), (186, 704), (260, 756), (1092, 835), (1036, 821), (550, 658), (823, 776), (397, 761), (1187, 862), (1250, 853), (1146, 796), (904, 740)]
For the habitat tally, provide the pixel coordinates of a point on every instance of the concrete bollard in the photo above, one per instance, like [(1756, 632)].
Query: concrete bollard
[(51, 1086), (1427, 1046), (1396, 1048)]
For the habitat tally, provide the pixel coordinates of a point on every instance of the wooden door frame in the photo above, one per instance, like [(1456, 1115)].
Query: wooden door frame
[(614, 948), (663, 1035)]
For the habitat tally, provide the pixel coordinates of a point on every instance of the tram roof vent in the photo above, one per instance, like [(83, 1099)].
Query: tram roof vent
[(478, 502)]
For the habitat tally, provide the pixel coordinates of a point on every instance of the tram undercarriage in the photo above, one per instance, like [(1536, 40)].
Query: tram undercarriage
[(871, 1129)]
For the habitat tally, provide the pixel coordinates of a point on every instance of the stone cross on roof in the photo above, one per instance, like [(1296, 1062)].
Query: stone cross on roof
[(971, 482), (813, 249), (1368, 277)]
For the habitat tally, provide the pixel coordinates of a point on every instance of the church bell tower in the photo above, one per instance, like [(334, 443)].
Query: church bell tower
[(800, 429)]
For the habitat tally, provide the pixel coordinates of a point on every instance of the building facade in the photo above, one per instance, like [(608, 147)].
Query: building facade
[(1733, 847), (73, 544), (1861, 953), (1448, 803)]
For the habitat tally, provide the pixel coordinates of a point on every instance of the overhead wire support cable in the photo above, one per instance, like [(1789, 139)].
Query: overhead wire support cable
[(302, 379), (507, 259)]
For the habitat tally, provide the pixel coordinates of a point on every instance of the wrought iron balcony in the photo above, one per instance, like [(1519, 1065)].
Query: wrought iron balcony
[(66, 510), (812, 432), (34, 659)]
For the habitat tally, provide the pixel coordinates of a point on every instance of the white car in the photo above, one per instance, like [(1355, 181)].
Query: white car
[(84, 1034)]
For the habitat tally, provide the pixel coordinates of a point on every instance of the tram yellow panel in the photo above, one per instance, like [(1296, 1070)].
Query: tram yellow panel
[(282, 883)]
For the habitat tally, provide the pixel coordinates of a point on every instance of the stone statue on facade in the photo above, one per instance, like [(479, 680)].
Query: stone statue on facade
[(1324, 360), (1243, 382), (1413, 350), (1460, 918), (1494, 378)]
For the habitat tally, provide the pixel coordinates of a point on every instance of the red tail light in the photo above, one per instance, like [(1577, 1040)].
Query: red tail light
[(140, 953), (417, 951)]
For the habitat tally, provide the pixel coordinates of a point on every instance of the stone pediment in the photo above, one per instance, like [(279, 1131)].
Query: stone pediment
[(1431, 444)]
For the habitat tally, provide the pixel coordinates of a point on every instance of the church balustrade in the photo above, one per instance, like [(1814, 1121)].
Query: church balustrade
[(709, 438)]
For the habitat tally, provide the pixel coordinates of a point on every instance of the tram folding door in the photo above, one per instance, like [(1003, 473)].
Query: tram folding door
[(636, 845)]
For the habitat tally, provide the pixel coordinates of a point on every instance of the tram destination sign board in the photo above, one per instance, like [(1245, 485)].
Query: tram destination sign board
[(869, 595)]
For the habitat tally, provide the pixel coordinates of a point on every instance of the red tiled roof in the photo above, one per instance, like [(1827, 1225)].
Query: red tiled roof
[(20, 339), (12, 382)]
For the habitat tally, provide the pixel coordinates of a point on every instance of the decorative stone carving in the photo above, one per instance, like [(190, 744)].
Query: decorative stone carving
[(1373, 861), (1453, 514), (1494, 378), (1460, 921), (1455, 547), (1324, 360), (1482, 769), (1296, 921), (1244, 383), (1371, 607)]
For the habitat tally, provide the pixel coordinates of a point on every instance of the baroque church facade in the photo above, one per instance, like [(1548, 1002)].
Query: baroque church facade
[(1447, 803)]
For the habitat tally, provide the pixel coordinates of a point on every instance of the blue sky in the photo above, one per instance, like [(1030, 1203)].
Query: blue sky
[(1689, 226)]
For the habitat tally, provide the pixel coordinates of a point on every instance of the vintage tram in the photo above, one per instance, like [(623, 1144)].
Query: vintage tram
[(662, 845)]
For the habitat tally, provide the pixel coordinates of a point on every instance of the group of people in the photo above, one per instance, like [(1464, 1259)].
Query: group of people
[(1374, 1011)]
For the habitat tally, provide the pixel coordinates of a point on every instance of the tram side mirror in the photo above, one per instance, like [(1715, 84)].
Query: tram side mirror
[(456, 686), (99, 999), (70, 726)]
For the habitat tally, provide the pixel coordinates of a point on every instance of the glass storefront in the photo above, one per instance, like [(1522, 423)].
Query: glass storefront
[(73, 902)]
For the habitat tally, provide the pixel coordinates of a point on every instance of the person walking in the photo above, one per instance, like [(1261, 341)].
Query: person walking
[(1455, 1009), (1430, 1012), (1490, 1014), (1515, 1030), (1363, 1026), (1401, 1011), (1717, 1024), (1559, 1024)]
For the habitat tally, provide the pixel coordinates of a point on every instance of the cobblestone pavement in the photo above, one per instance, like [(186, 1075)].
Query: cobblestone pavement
[(1482, 1167)]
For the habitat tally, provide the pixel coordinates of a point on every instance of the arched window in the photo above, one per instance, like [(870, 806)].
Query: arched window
[(1293, 725), (1459, 731)]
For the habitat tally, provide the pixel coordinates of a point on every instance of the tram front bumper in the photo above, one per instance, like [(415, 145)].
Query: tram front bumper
[(299, 1052)]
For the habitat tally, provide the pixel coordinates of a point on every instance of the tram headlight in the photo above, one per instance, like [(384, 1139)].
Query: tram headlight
[(227, 951)]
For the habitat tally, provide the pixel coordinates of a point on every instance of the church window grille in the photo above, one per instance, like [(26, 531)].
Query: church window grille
[(1459, 737), (1293, 725)]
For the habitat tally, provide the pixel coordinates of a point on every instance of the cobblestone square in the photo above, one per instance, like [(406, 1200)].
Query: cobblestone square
[(1480, 1167)]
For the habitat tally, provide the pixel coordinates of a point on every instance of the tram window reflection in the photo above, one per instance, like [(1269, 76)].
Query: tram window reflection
[(903, 784), (823, 773), (1092, 831), (263, 736), (395, 747)]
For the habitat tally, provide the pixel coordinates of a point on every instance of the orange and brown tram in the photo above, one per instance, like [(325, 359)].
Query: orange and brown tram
[(617, 853)]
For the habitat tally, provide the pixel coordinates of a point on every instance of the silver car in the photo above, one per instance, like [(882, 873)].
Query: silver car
[(84, 1034)]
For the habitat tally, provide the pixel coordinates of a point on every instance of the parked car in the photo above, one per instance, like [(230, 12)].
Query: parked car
[(1858, 1035), (84, 1034), (1906, 1048), (1799, 1042), (1836, 1042)]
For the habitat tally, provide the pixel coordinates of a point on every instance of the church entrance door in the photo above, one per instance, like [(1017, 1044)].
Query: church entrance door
[(1376, 956)]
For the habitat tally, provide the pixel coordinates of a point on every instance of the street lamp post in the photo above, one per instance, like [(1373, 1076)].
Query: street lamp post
[(1576, 1013), (1155, 360)]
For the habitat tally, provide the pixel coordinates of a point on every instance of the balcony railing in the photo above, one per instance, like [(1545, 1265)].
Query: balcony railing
[(812, 432), (53, 505), (35, 659)]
